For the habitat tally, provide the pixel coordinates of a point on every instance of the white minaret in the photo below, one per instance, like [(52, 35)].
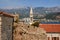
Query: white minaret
[(31, 16)]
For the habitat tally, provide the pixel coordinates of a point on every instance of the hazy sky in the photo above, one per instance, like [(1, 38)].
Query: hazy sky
[(26, 3)]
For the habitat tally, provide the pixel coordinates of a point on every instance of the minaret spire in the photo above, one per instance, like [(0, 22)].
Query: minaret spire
[(31, 15)]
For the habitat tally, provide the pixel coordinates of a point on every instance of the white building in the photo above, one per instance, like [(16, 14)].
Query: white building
[(29, 20), (26, 20)]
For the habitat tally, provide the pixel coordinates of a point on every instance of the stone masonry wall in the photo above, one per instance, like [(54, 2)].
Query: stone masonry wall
[(6, 28), (26, 32), (0, 27)]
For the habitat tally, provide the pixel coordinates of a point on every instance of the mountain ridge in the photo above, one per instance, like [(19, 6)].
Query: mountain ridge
[(36, 10)]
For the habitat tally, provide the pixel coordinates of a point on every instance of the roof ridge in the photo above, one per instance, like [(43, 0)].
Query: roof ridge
[(7, 14)]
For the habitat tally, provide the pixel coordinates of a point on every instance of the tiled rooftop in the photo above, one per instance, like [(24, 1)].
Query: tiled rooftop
[(51, 27)]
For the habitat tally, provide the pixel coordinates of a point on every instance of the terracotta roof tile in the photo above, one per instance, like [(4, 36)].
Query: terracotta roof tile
[(7, 14), (51, 27)]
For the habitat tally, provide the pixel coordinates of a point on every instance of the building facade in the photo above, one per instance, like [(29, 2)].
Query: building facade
[(53, 30), (26, 20), (6, 23)]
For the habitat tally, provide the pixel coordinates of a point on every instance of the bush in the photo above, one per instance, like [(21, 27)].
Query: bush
[(35, 24)]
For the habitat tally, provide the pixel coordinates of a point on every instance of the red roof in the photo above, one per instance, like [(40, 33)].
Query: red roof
[(7, 14), (51, 27)]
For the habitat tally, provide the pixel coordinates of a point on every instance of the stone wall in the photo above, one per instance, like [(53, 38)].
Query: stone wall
[(6, 28), (0, 27), (27, 32)]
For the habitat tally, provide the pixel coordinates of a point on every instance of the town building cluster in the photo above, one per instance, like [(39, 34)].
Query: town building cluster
[(13, 28)]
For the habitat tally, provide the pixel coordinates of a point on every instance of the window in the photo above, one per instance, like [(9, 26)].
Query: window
[(55, 38), (48, 38)]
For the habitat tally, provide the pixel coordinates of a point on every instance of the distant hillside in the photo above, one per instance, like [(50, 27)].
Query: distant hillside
[(24, 12), (55, 16)]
